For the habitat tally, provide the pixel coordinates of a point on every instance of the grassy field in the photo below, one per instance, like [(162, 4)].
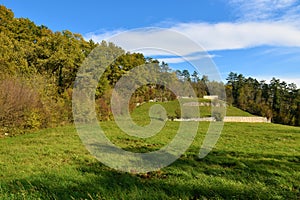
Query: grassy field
[(171, 106), (250, 161)]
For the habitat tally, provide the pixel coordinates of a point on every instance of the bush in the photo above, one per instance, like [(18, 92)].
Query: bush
[(178, 113), (32, 103), (20, 106), (218, 114)]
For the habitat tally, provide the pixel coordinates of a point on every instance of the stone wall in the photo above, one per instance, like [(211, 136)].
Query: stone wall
[(230, 119), (202, 119), (211, 97), (246, 119)]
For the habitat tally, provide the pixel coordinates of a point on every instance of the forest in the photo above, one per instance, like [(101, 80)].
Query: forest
[(39, 67)]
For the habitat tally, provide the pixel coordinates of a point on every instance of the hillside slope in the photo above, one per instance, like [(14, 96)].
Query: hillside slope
[(141, 112)]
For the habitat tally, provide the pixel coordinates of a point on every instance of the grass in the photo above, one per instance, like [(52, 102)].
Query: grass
[(250, 161), (171, 106)]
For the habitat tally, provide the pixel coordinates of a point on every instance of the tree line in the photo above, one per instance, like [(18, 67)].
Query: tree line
[(276, 100)]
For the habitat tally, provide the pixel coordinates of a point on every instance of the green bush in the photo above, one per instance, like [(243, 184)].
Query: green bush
[(218, 114), (178, 113)]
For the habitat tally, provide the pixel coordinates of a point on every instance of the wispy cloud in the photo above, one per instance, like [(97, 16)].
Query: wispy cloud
[(267, 10), (280, 51), (181, 59)]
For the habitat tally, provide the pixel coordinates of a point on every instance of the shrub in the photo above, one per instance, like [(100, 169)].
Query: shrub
[(32, 103), (20, 106), (218, 114), (178, 113)]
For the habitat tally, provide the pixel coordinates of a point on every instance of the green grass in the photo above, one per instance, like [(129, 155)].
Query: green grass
[(233, 111), (171, 106), (250, 161)]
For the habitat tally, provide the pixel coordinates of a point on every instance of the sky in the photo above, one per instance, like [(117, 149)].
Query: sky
[(257, 38)]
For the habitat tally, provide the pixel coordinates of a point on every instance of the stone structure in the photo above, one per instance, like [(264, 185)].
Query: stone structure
[(211, 97), (246, 119), (230, 119), (202, 119)]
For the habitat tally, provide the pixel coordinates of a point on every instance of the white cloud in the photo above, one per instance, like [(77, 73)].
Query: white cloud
[(220, 36), (224, 36), (156, 42)]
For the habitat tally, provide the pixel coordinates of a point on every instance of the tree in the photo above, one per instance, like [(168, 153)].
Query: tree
[(297, 114), (195, 77), (186, 75)]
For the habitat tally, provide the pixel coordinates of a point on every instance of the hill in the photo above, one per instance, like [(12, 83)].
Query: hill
[(172, 108)]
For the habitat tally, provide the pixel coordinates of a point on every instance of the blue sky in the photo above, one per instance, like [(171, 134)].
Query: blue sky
[(258, 38)]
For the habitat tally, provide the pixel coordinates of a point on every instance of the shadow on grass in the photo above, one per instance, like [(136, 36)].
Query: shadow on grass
[(221, 175)]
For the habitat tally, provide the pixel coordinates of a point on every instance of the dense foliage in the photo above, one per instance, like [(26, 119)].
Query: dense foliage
[(38, 69), (277, 100)]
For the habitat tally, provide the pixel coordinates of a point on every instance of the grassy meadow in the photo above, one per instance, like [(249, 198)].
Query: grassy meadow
[(171, 106), (250, 161)]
